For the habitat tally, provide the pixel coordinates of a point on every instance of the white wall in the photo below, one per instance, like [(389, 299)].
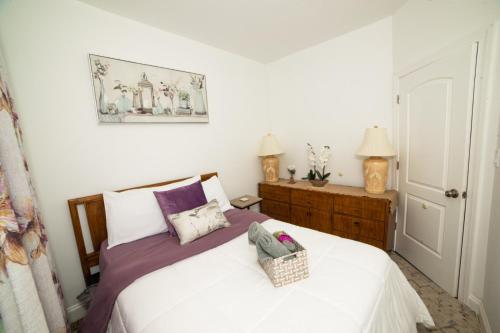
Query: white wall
[(422, 28), (46, 44), (328, 94), (491, 298)]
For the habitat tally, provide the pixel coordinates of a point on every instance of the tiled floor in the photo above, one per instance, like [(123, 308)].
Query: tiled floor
[(448, 313)]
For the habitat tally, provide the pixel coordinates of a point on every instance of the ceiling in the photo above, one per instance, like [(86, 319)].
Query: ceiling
[(263, 30)]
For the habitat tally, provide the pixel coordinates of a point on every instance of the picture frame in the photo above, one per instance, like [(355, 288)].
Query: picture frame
[(132, 92)]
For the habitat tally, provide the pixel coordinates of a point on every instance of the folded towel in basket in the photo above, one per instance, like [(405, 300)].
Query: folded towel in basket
[(286, 240), (268, 246), (254, 232), (262, 255), (272, 246)]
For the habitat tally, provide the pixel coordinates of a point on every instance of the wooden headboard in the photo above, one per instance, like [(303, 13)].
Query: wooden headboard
[(95, 216)]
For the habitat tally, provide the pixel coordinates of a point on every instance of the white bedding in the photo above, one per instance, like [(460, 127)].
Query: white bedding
[(353, 287)]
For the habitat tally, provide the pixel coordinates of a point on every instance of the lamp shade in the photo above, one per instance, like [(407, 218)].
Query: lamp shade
[(269, 146), (376, 143)]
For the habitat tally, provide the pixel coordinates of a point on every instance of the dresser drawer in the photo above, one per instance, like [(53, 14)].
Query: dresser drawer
[(348, 205), (273, 192), (373, 242), (342, 225), (300, 216), (374, 209), (340, 233), (372, 229), (357, 228), (368, 208), (275, 209), (311, 199)]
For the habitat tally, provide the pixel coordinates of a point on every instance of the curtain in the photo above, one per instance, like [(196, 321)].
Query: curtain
[(30, 294)]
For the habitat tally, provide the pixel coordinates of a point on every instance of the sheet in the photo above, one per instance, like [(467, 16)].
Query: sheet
[(353, 287)]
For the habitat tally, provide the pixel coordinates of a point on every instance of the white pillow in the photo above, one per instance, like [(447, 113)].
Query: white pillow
[(213, 190), (198, 222), (135, 214)]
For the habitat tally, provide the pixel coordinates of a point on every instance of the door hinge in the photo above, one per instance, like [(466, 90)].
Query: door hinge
[(464, 194), (397, 165), (397, 99)]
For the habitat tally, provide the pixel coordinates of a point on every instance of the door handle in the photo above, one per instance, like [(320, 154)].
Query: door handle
[(451, 193)]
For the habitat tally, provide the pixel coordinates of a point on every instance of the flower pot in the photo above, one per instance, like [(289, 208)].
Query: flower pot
[(318, 182), (199, 102), (103, 99), (184, 103)]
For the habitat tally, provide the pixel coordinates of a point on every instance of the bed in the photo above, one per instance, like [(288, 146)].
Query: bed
[(216, 284)]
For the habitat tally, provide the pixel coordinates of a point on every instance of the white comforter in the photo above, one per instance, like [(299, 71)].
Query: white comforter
[(353, 287)]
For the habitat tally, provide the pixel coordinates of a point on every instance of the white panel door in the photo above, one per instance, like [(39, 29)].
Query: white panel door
[(435, 115)]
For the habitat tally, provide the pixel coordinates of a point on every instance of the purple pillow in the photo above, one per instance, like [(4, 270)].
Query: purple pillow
[(180, 199)]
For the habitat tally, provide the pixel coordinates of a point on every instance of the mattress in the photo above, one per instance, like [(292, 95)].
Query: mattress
[(352, 287)]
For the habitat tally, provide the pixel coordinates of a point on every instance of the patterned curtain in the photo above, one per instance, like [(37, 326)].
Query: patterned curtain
[(30, 294)]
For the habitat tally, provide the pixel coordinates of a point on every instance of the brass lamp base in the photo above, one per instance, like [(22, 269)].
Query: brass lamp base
[(375, 173), (271, 167)]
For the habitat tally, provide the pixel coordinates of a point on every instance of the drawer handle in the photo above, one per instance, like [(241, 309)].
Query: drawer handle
[(356, 223)]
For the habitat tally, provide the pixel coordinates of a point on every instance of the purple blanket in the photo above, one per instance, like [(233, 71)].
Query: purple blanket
[(122, 265)]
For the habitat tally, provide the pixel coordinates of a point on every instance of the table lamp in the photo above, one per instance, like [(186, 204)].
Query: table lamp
[(269, 149), (376, 146)]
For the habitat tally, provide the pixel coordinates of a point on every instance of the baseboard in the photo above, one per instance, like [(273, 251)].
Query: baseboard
[(75, 312), (483, 318), (474, 303), (478, 307)]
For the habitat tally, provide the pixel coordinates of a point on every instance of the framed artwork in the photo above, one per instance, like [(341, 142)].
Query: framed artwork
[(130, 92)]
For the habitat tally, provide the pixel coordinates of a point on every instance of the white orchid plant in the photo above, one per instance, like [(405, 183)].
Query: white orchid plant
[(317, 163), (169, 90), (100, 69)]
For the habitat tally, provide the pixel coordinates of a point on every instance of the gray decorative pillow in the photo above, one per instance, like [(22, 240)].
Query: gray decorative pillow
[(197, 222)]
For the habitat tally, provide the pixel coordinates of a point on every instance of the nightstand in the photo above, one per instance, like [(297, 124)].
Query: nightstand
[(246, 204)]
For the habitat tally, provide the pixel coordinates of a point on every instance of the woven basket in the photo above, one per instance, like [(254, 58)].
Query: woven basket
[(287, 269)]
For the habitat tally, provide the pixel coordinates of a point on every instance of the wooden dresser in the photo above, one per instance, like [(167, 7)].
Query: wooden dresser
[(344, 211)]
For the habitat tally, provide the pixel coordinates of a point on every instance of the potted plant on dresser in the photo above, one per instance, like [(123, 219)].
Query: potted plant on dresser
[(317, 175)]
